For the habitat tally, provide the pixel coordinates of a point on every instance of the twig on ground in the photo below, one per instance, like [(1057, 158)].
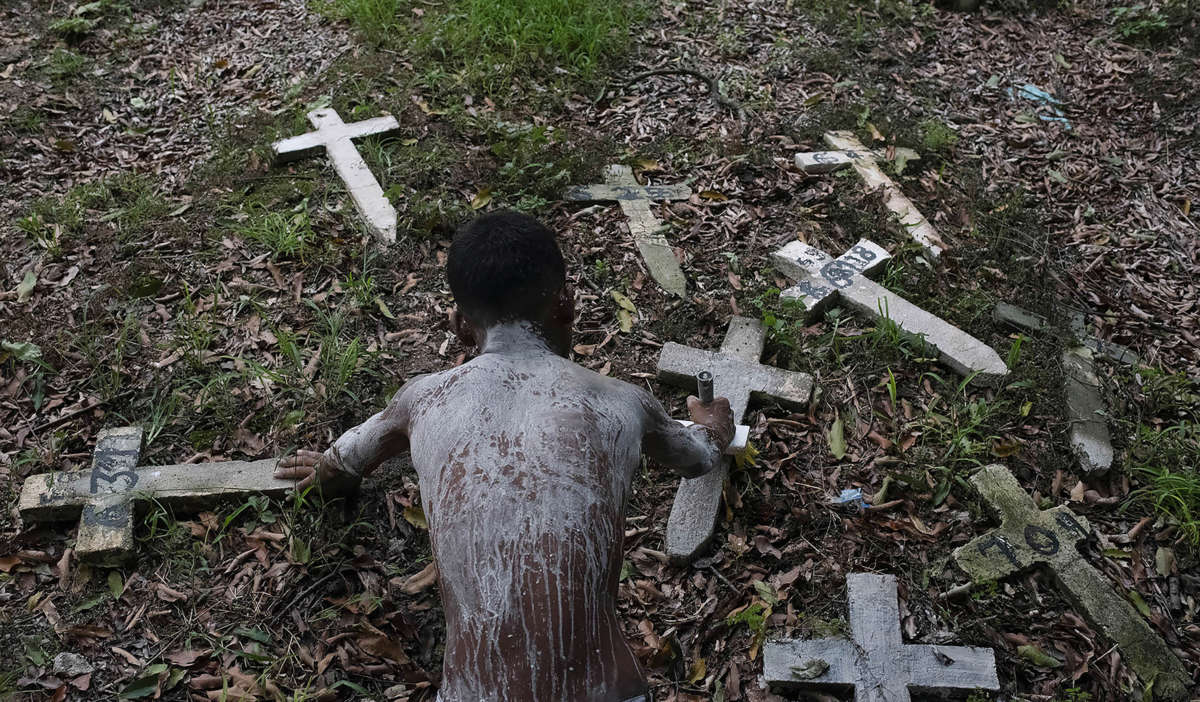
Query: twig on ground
[(305, 593)]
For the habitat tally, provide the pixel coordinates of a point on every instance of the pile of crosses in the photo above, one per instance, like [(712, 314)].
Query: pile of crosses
[(873, 660)]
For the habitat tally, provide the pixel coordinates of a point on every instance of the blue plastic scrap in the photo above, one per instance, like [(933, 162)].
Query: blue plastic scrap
[(1031, 92), (854, 497)]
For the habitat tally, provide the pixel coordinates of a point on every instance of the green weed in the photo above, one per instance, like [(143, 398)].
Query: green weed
[(376, 19), (361, 287), (339, 358), (1014, 352), (755, 618), (783, 317), (965, 431), (126, 203), (936, 137), (1138, 21), (64, 63), (283, 234), (1167, 461)]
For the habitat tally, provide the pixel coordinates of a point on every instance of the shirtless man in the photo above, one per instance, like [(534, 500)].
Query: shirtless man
[(525, 461)]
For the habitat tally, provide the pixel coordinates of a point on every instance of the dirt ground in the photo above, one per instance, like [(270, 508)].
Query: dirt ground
[(157, 270)]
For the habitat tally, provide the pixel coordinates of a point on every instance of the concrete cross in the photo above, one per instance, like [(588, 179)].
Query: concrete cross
[(1030, 537), (1021, 318), (875, 661), (820, 280), (634, 199), (829, 161), (849, 151), (334, 137), (739, 376), (104, 498), (1088, 427)]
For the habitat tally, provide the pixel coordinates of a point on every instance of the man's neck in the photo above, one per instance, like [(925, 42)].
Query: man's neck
[(521, 337)]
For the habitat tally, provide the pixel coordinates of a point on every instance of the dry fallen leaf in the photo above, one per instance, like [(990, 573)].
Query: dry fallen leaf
[(420, 582)]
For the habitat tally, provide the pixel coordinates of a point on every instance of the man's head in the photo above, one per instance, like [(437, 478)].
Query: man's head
[(506, 267)]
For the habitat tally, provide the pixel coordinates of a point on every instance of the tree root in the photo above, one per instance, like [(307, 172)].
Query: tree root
[(714, 89)]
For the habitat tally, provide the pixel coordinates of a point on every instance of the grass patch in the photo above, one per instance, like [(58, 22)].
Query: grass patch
[(284, 234), (936, 137), (126, 204), (1164, 453), (494, 41)]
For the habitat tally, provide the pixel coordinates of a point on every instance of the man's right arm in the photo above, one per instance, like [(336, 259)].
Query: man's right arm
[(690, 451), (360, 449)]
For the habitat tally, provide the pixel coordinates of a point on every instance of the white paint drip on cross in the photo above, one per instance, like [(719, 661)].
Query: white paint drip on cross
[(634, 199), (738, 376), (849, 151), (334, 137), (875, 661), (821, 279), (104, 497)]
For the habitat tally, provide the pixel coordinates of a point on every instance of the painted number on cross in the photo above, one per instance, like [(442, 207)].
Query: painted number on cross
[(100, 472), (111, 516), (1039, 539)]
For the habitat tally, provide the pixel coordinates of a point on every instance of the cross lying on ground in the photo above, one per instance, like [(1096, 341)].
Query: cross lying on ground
[(737, 375), (1024, 319), (1086, 413), (104, 497), (1027, 537), (334, 136), (634, 199), (849, 151), (875, 661), (820, 280)]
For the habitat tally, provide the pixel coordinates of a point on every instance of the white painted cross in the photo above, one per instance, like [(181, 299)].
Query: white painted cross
[(821, 279), (738, 376), (875, 661), (104, 498), (849, 151), (334, 136), (1027, 537), (634, 199)]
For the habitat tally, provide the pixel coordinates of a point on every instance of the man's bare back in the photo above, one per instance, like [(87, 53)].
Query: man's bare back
[(525, 462)]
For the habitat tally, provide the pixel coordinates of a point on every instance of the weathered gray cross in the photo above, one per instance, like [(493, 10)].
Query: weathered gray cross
[(849, 151), (334, 136), (1030, 537), (634, 199), (738, 376), (1086, 413), (875, 661), (104, 498), (821, 279), (1024, 319)]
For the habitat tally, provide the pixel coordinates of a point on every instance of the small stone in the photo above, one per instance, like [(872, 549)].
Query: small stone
[(71, 665), (1014, 316)]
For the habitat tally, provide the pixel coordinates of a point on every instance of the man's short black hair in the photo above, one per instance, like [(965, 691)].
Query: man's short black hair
[(505, 266)]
